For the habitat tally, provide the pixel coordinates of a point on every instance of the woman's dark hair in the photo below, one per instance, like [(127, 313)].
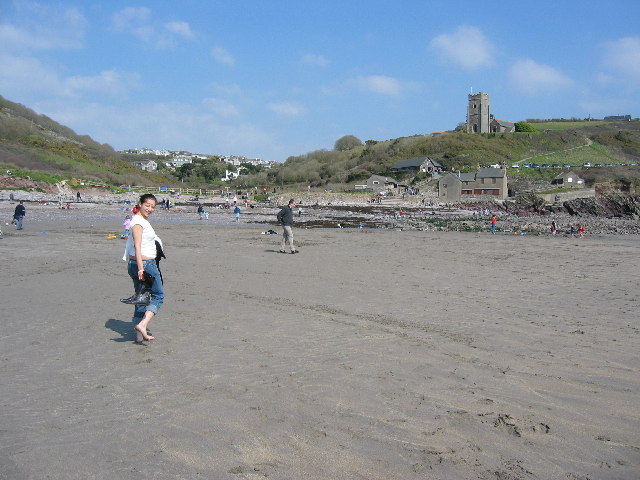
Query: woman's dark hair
[(147, 196)]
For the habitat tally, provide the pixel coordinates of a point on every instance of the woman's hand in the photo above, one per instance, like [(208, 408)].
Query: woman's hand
[(141, 275)]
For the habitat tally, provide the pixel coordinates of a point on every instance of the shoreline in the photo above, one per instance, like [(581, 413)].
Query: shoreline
[(351, 216)]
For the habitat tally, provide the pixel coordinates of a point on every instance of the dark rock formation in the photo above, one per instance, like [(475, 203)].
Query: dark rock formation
[(616, 205)]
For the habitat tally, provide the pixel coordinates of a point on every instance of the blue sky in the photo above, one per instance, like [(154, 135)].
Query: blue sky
[(272, 79)]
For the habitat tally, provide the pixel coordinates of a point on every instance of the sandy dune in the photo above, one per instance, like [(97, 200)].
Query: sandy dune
[(370, 355)]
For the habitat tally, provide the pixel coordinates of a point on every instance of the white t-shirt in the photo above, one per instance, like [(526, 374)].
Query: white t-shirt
[(149, 237)]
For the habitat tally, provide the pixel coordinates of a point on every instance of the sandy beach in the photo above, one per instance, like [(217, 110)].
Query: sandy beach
[(373, 354)]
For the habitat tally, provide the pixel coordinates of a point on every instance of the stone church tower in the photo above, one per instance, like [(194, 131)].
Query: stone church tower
[(478, 113)]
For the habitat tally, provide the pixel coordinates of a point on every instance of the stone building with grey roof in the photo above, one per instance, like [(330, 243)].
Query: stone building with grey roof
[(470, 186)]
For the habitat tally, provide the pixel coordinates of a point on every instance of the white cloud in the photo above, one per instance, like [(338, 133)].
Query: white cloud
[(111, 83), (467, 47), (130, 18), (315, 60), (139, 22), (531, 77), (221, 55), (379, 84), (287, 109), (623, 57), (22, 76), (221, 107), (231, 89), (44, 27), (180, 28)]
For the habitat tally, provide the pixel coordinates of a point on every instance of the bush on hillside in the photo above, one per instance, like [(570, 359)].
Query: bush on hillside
[(524, 127), (348, 142)]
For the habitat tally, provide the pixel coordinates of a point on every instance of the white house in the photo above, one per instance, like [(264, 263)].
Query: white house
[(147, 165), (180, 160)]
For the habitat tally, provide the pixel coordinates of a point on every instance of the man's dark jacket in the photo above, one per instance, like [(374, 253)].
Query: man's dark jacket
[(20, 211), (285, 216)]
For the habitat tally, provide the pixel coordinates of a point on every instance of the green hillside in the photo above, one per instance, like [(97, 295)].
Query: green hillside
[(36, 146), (571, 142)]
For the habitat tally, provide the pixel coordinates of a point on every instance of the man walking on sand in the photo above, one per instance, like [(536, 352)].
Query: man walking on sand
[(285, 218), (19, 214)]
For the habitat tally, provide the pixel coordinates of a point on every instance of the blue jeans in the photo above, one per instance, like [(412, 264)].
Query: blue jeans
[(157, 289), (19, 220)]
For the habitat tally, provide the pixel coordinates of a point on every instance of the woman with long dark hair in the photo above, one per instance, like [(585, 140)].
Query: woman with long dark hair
[(142, 252)]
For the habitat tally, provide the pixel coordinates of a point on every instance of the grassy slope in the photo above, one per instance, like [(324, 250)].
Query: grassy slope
[(574, 143), (35, 145), (32, 143)]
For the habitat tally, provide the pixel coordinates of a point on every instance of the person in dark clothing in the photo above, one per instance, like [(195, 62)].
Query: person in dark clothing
[(285, 218), (19, 214)]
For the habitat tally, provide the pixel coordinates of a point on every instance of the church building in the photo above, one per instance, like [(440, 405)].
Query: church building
[(481, 120)]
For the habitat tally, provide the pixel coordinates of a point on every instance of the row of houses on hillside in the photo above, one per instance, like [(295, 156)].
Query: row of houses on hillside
[(452, 187), (237, 160), (379, 184), (461, 186)]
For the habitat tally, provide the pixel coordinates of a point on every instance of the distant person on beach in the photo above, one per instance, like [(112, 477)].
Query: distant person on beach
[(78, 197), (581, 231), (200, 211), (127, 225), (494, 222), (236, 212), (285, 218), (554, 228), (141, 252), (18, 214)]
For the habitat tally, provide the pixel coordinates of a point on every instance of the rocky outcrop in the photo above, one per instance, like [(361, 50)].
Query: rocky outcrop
[(617, 205)]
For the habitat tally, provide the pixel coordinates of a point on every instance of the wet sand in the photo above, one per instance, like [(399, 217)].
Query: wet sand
[(373, 354)]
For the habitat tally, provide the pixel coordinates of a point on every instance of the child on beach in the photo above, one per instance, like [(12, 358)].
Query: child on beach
[(127, 226)]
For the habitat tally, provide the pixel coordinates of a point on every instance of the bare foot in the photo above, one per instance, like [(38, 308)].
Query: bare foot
[(143, 331)]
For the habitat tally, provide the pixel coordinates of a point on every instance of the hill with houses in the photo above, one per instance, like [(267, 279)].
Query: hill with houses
[(35, 146)]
